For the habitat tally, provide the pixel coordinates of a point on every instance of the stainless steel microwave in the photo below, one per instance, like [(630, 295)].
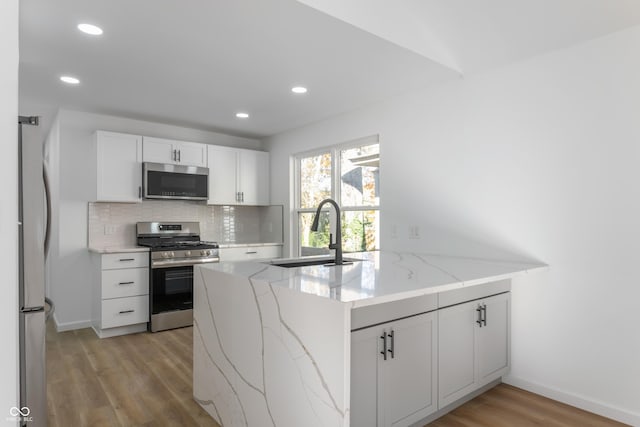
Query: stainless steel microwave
[(164, 181)]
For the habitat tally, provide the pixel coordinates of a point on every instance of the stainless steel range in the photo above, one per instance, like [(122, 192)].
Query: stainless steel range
[(175, 247)]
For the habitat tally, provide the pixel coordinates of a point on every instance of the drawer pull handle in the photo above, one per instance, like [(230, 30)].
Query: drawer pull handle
[(127, 259), (484, 312), (384, 345), (126, 283), (126, 311), (251, 252)]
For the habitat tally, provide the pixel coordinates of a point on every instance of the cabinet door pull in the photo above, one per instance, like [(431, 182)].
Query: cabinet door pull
[(479, 311), (384, 345), (173, 155), (178, 155), (139, 192), (484, 314), (126, 311), (126, 283), (242, 196), (127, 259), (391, 349)]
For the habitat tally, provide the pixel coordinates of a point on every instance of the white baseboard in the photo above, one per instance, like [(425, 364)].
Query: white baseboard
[(122, 330), (70, 326), (582, 402)]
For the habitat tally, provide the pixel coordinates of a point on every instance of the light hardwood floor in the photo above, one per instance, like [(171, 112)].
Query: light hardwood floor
[(146, 380), (133, 380), (507, 406)]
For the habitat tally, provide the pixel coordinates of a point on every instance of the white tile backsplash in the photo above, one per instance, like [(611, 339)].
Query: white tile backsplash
[(114, 224)]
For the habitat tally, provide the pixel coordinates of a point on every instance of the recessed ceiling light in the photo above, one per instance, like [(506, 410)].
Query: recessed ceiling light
[(70, 80), (299, 89), (90, 29), (242, 115)]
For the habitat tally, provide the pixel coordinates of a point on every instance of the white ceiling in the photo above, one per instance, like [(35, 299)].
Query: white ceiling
[(197, 62), (474, 35)]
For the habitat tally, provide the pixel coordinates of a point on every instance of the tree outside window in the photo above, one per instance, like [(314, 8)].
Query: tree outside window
[(350, 174)]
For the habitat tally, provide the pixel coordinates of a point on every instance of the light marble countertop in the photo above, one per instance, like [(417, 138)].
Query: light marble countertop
[(117, 249), (380, 276)]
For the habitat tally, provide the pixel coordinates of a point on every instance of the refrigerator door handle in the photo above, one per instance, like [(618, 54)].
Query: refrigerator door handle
[(47, 195)]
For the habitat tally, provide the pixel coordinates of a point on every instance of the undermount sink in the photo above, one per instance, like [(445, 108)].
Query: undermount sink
[(301, 262)]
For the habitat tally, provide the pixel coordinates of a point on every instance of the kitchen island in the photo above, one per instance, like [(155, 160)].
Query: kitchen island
[(290, 346)]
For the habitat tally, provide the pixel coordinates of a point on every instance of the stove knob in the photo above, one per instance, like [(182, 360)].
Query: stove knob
[(165, 254), (187, 253), (205, 252), (172, 254)]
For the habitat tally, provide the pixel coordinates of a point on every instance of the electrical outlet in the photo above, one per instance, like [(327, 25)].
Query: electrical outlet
[(414, 232), (109, 229)]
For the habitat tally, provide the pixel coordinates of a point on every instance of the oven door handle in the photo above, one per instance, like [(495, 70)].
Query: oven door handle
[(181, 263)]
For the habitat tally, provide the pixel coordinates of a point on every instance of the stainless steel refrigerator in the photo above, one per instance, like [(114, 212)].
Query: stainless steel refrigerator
[(33, 232)]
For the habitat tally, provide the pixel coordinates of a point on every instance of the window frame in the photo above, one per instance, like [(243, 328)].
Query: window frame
[(336, 190)]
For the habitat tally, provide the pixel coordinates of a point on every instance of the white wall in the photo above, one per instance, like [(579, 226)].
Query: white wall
[(70, 284), (9, 204), (540, 158)]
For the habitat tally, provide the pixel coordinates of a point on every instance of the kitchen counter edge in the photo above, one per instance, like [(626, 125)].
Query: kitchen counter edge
[(117, 249)]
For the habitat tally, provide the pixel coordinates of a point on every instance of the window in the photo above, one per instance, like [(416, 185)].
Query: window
[(349, 174)]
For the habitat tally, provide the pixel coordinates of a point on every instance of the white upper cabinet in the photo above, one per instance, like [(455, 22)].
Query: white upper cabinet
[(119, 167), (222, 175), (238, 176), (253, 177), (160, 150)]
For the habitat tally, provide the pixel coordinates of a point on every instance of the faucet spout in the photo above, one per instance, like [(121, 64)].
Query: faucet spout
[(337, 244)]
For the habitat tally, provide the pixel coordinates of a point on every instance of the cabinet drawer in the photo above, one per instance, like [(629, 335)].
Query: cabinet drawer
[(125, 311), (125, 282), (245, 253), (458, 296), (125, 260), (379, 313)]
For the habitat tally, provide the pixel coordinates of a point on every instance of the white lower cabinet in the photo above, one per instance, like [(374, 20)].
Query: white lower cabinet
[(125, 311), (394, 369), (121, 293), (473, 346), (246, 253), (406, 370)]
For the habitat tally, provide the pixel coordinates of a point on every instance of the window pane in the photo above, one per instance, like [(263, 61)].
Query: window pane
[(315, 180), (360, 231), (314, 243), (360, 169)]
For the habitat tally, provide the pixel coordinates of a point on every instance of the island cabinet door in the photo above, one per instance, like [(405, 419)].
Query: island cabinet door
[(456, 351), (407, 386), (393, 372), (473, 346), (494, 354), (365, 350)]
